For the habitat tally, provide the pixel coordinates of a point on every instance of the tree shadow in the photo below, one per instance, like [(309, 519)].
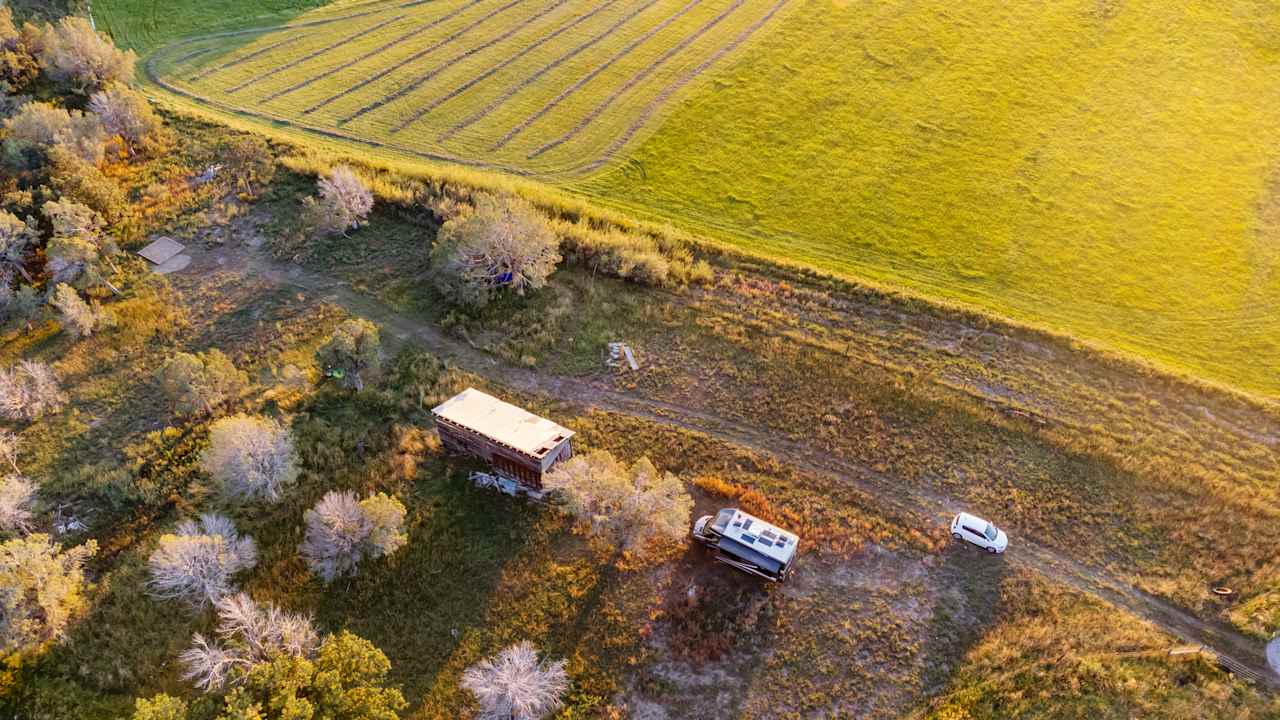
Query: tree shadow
[(967, 605)]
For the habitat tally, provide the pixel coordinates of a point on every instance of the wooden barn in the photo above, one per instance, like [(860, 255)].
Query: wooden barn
[(517, 443)]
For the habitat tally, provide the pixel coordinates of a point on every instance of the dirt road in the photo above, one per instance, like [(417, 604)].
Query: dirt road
[(1241, 654)]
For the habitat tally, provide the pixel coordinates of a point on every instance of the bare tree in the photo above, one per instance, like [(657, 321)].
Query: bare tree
[(344, 202), (9, 444), (41, 590), (516, 685), (352, 352), (17, 501), (197, 384), (126, 114), (28, 390), (250, 458), (247, 634), (505, 243), (86, 60), (627, 506), (342, 532), (197, 562)]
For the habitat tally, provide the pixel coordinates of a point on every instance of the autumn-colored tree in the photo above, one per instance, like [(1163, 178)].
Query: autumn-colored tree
[(18, 63), (29, 390), (504, 243), (126, 114), (79, 319), (197, 384), (41, 590), (46, 125), (626, 506), (248, 161), (84, 59), (353, 352)]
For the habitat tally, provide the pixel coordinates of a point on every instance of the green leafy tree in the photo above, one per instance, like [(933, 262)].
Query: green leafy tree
[(197, 384), (353, 352), (342, 532), (41, 590), (504, 244), (160, 707), (79, 252), (250, 458), (17, 238), (78, 317), (626, 506), (346, 679)]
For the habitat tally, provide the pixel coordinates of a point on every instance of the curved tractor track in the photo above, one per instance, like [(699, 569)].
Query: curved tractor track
[(1243, 656)]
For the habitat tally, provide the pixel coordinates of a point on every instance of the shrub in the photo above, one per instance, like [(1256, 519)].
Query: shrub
[(160, 707), (247, 634), (126, 114), (516, 685), (627, 506), (341, 532), (78, 318), (83, 182), (344, 203), (197, 384), (28, 391), (351, 353), (41, 590), (47, 126), (17, 500), (250, 458), (196, 563), (84, 59), (248, 160), (503, 244)]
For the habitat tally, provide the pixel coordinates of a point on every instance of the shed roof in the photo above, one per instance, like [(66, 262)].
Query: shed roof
[(503, 422)]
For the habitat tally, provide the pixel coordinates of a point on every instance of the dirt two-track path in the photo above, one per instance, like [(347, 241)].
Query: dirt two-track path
[(1242, 655)]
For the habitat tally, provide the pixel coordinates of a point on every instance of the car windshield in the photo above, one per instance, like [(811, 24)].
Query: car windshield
[(991, 532)]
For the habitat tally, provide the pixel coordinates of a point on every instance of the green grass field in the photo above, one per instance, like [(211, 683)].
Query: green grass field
[(1103, 169)]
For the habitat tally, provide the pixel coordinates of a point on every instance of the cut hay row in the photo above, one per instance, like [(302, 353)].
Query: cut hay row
[(525, 51), (505, 97), (191, 55), (376, 51), (314, 54), (637, 79), (661, 98), (244, 58), (427, 76), (411, 59), (567, 92)]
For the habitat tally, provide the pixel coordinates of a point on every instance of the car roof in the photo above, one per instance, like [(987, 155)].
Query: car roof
[(971, 518)]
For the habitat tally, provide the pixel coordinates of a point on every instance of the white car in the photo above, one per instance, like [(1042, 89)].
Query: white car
[(974, 529)]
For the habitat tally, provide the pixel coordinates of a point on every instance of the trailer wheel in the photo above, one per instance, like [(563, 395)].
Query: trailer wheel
[(957, 536)]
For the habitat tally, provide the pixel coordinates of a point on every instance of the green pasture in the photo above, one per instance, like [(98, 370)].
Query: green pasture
[(1100, 168)]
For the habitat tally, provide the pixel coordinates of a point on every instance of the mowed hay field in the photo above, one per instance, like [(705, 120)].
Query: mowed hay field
[(532, 86), (1102, 168)]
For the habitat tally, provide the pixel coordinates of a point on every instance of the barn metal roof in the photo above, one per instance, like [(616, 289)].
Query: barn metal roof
[(502, 422), (765, 538)]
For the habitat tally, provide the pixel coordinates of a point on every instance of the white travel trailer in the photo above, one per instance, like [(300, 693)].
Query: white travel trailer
[(748, 543)]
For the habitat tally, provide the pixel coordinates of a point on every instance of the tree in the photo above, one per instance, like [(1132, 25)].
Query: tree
[(343, 204), (160, 707), (628, 507), (248, 160), (346, 679), (516, 685), (197, 384), (78, 317), (351, 353), (18, 64), (247, 634), (41, 590), (503, 243), (76, 179), (17, 499), (23, 305), (84, 59), (196, 563), (47, 126), (78, 249), (341, 532), (250, 458), (9, 444), (28, 390), (126, 114), (17, 238)]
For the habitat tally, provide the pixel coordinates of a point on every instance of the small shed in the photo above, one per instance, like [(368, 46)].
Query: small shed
[(517, 443)]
